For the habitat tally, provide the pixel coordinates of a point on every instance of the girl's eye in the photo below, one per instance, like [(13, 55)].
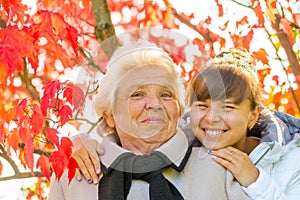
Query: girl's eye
[(200, 105), (229, 107)]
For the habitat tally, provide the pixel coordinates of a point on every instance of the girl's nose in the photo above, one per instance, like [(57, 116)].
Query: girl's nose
[(213, 115)]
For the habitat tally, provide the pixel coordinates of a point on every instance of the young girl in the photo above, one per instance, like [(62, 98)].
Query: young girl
[(225, 103)]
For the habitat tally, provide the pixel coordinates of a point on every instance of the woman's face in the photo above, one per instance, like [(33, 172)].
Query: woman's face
[(145, 106), (221, 123)]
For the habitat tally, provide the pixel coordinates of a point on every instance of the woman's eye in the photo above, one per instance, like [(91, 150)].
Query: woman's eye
[(167, 95), (137, 94)]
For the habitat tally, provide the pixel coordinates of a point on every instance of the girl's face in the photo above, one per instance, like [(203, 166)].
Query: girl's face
[(221, 123)]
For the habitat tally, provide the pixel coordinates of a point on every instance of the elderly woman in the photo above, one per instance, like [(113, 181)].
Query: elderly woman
[(141, 100)]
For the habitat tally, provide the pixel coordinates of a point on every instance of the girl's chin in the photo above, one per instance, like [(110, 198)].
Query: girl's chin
[(211, 145)]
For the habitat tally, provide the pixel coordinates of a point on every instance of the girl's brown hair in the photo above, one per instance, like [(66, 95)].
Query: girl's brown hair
[(228, 76)]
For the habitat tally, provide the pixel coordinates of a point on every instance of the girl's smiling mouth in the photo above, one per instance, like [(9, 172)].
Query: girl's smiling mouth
[(214, 132)]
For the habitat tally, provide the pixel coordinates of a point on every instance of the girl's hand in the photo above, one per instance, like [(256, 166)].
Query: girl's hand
[(238, 163), (86, 152)]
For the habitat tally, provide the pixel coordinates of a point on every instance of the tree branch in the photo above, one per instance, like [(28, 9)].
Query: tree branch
[(239, 3), (283, 39), (2, 23), (22, 175), (12, 163), (26, 79), (90, 60), (17, 173), (286, 74), (104, 30), (192, 26)]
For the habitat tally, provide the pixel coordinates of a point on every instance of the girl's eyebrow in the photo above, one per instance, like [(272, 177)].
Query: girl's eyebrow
[(232, 101)]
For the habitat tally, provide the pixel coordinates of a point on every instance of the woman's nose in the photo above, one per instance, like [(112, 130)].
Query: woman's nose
[(153, 102)]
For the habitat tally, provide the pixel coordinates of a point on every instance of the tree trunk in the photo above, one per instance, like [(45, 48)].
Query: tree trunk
[(104, 30)]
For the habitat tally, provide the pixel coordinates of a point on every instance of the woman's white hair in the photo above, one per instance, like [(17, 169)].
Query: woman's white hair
[(127, 58)]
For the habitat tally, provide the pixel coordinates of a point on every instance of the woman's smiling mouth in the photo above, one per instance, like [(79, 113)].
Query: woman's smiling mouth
[(153, 121)]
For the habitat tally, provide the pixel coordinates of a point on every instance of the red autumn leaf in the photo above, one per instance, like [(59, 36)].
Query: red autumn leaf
[(13, 139), (15, 45), (30, 194), (58, 24), (15, 9), (247, 40), (276, 79), (64, 30), (261, 55), (56, 104), (78, 97), (66, 146), (244, 20), (21, 157), (43, 163), (20, 108), (37, 120), (45, 103), (28, 153), (51, 88), (220, 8), (24, 129), (60, 158), (42, 26), (263, 73), (27, 140), (222, 42), (208, 20), (259, 13), (18, 39), (51, 134), (58, 52), (59, 162), (1, 168), (72, 36), (273, 3), (9, 61), (68, 94), (72, 166), (6, 4), (65, 113), (2, 135)]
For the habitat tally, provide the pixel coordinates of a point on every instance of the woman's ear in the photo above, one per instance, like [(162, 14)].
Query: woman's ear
[(254, 117), (109, 120)]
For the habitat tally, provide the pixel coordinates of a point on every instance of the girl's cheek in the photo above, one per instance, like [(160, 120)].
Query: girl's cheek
[(197, 115)]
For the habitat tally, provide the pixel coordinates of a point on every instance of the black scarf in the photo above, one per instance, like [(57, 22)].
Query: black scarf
[(116, 181)]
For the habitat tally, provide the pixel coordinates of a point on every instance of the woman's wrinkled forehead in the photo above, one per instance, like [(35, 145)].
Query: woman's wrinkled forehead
[(145, 75)]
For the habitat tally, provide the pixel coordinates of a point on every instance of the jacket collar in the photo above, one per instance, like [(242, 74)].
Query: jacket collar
[(174, 149), (270, 152)]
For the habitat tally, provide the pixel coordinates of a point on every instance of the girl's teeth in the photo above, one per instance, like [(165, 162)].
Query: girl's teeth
[(214, 132)]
